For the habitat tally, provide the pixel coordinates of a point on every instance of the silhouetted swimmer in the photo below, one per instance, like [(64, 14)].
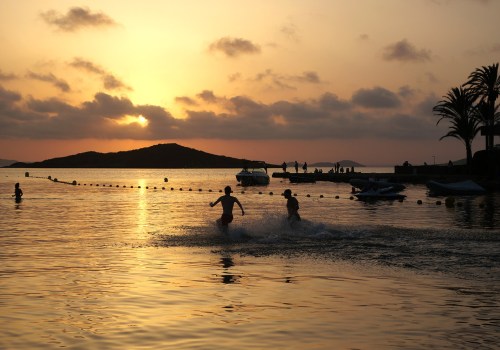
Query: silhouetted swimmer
[(227, 202), (18, 193), (292, 205)]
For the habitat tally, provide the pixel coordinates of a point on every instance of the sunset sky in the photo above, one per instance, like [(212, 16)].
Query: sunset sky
[(320, 80)]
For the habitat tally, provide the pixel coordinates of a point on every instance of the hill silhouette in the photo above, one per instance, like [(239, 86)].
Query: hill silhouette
[(169, 155), (6, 162)]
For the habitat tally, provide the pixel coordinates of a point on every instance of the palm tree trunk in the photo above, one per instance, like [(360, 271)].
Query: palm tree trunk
[(468, 149)]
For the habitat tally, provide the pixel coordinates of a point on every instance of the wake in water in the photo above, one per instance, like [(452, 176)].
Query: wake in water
[(466, 253)]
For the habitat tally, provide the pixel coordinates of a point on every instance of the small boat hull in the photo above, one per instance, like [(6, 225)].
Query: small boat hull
[(252, 177), (380, 194), (456, 188), (363, 184)]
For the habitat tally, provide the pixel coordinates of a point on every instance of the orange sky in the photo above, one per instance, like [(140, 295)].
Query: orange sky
[(324, 80)]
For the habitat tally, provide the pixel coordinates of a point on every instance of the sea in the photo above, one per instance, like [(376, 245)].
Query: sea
[(133, 259)]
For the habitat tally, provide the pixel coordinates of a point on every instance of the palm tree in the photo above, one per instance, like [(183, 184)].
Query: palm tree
[(485, 82), (458, 108)]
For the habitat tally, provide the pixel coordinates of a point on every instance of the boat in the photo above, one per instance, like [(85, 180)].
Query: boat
[(251, 177), (364, 184), (467, 187), (302, 178), (380, 193)]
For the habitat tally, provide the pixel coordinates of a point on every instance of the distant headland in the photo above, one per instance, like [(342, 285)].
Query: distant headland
[(170, 155)]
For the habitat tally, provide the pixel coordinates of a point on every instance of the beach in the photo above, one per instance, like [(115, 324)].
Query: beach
[(132, 258)]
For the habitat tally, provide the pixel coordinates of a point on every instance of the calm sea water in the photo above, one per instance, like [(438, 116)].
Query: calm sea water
[(108, 265)]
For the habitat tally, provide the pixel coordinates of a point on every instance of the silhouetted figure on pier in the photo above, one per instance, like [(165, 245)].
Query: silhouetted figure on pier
[(296, 167), (304, 167), (283, 166)]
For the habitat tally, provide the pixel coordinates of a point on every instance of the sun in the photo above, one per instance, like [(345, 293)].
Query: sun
[(132, 119), (142, 121)]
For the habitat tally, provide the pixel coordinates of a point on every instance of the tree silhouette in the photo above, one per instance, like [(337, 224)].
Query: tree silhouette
[(458, 108), (485, 83)]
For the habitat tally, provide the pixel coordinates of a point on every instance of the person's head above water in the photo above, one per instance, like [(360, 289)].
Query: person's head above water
[(227, 190)]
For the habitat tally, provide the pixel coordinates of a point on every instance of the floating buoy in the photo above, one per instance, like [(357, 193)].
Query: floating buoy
[(110, 185), (295, 194), (26, 174), (320, 196), (171, 188), (308, 195), (124, 186), (50, 177), (190, 190), (260, 192), (438, 202), (200, 190), (419, 202), (138, 186), (74, 183), (209, 190), (154, 188), (55, 180), (165, 180), (220, 191), (337, 197), (270, 193), (351, 197), (163, 188), (242, 192), (131, 186)]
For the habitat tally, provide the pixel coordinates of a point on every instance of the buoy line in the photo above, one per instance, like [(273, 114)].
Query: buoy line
[(449, 201)]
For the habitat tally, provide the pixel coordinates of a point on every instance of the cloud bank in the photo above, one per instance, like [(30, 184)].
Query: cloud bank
[(76, 18), (110, 82), (242, 118), (404, 51), (234, 47)]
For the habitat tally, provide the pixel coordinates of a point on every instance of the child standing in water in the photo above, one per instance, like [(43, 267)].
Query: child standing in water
[(227, 202), (18, 193)]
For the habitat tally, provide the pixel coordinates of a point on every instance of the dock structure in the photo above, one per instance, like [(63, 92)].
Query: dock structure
[(402, 174)]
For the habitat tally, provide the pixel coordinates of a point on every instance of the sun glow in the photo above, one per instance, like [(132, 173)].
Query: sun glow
[(132, 119)]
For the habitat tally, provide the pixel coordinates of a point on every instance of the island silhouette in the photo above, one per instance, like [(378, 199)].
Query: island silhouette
[(170, 155)]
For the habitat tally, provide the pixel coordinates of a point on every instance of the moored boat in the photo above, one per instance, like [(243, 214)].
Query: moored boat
[(302, 178), (251, 177), (379, 193), (467, 187), (364, 184)]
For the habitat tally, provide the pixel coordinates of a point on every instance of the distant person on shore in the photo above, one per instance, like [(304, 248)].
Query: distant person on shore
[(304, 167), (296, 167), (283, 166), (292, 205), (18, 193), (227, 202)]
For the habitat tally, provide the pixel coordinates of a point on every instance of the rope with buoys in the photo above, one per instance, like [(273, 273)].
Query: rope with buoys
[(449, 201)]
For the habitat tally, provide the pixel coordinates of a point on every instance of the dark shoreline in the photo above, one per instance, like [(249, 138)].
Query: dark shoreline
[(492, 185)]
